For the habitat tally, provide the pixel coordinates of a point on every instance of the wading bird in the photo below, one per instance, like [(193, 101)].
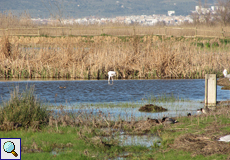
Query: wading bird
[(111, 74), (226, 75)]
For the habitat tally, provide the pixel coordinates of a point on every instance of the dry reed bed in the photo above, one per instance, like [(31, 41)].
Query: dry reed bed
[(93, 57)]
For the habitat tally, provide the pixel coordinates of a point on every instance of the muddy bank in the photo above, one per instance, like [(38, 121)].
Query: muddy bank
[(152, 108), (224, 82), (201, 144)]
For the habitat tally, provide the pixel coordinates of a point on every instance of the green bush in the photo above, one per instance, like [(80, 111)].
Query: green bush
[(207, 45), (215, 44), (23, 108)]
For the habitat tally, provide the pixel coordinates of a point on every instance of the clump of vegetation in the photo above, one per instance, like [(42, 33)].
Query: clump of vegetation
[(152, 108), (23, 109), (5, 48)]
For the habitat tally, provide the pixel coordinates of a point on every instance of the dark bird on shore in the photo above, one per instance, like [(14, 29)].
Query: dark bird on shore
[(168, 120), (189, 114), (152, 120)]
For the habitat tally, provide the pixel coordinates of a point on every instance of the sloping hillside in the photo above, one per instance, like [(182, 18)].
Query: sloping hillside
[(101, 8)]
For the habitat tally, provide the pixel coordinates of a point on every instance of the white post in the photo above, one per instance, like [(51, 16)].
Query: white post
[(210, 90)]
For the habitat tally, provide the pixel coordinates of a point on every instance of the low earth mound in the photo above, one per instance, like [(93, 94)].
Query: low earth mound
[(224, 82), (200, 144), (152, 108)]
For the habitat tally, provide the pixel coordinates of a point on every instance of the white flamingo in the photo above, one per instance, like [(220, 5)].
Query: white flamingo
[(111, 74), (226, 75)]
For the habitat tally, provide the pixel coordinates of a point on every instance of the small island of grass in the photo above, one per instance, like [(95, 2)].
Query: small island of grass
[(152, 108)]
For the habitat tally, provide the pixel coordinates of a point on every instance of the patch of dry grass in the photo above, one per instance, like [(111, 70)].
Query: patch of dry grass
[(85, 57), (201, 135)]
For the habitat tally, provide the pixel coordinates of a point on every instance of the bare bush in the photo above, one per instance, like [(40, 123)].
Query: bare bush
[(223, 12)]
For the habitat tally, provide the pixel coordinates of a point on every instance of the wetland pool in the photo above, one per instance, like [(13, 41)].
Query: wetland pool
[(121, 98)]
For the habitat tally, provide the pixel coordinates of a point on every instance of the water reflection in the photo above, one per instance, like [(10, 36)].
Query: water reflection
[(143, 140)]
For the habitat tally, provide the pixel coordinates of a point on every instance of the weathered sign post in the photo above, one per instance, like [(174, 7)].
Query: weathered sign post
[(210, 90)]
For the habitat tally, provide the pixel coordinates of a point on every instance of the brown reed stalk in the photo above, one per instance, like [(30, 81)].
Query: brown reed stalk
[(83, 58), (5, 47)]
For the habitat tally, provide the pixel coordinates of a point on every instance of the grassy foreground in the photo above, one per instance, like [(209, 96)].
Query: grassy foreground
[(84, 135)]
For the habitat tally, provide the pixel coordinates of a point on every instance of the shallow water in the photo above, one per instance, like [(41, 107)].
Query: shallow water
[(141, 140), (94, 91), (83, 92), (175, 109)]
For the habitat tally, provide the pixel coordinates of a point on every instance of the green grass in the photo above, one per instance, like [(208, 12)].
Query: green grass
[(65, 143), (48, 140)]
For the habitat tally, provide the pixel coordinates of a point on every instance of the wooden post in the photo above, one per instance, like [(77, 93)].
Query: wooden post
[(70, 31), (210, 89), (38, 31), (134, 31), (101, 31), (165, 31), (222, 32), (7, 31), (196, 35), (195, 31)]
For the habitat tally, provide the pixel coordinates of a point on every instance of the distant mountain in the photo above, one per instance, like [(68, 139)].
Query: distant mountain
[(99, 8)]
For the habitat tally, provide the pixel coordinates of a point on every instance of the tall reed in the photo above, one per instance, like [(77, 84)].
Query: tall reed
[(92, 57)]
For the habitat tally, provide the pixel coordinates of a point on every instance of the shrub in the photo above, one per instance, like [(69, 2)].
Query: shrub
[(23, 108)]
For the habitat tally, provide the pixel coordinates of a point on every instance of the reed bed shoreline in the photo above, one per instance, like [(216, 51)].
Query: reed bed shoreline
[(132, 57)]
